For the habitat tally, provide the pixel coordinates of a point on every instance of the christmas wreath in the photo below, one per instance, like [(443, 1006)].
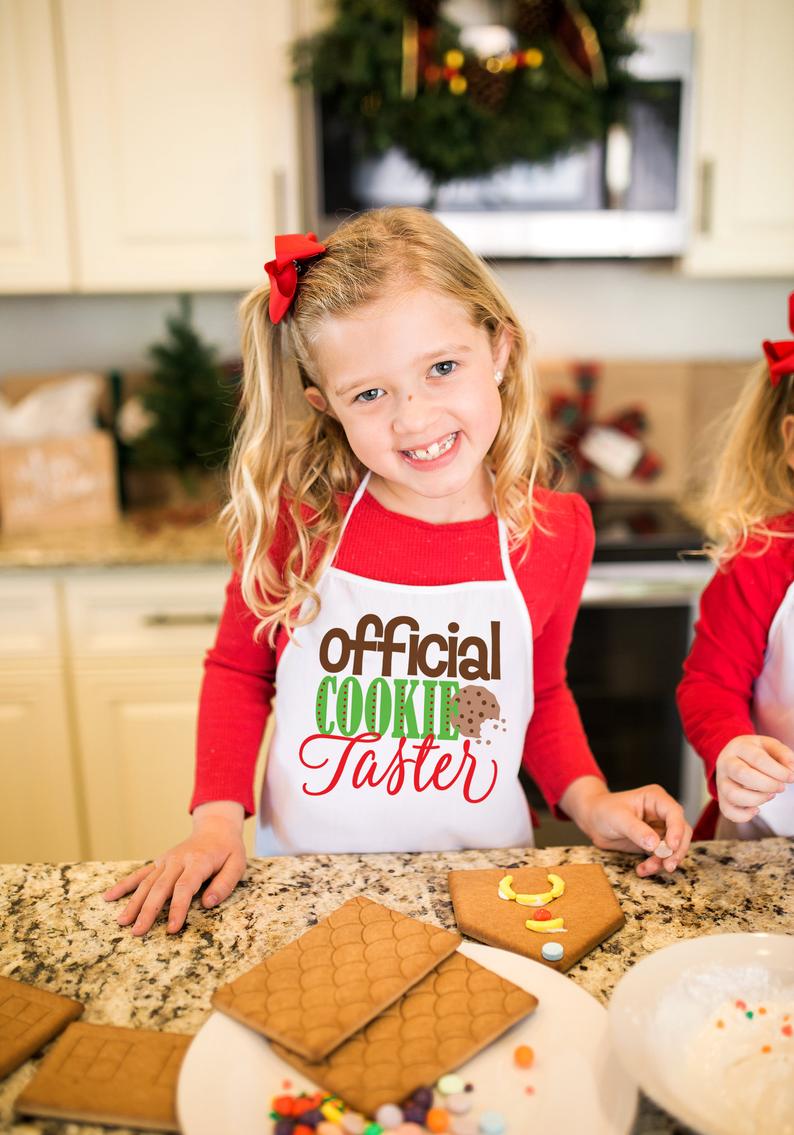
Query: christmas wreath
[(399, 73)]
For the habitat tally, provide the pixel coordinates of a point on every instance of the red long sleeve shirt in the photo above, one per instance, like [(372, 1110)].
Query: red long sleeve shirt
[(736, 611), (240, 673)]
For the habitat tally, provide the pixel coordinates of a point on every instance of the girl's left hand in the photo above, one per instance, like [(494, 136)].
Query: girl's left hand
[(637, 820)]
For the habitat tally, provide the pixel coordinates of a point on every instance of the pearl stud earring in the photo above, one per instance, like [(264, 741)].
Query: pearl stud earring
[(498, 377)]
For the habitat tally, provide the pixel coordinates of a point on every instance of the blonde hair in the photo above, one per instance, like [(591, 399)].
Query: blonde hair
[(752, 482), (309, 462)]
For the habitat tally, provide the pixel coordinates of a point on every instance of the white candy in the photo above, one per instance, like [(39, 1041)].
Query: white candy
[(663, 851)]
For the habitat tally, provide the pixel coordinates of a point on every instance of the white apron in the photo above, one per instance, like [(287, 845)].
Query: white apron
[(773, 706), (400, 718)]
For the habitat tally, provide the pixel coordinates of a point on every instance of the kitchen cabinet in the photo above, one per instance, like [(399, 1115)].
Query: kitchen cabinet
[(136, 643), (744, 206), (39, 801), (100, 672), (175, 148), (34, 242)]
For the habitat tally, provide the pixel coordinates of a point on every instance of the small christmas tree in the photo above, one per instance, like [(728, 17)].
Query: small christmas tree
[(190, 402)]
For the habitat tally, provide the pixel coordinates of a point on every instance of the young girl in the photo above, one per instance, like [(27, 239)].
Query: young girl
[(737, 695), (402, 581)]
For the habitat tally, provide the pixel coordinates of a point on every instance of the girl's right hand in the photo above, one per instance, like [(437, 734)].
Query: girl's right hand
[(215, 848), (750, 772)]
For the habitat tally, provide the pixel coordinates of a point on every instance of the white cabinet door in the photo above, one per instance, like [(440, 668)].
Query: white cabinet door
[(183, 135), (34, 251), (137, 739), (137, 638), (38, 798), (745, 200), (39, 789)]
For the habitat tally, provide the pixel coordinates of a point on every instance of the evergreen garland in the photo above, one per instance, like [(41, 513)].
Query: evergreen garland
[(532, 114), (190, 401)]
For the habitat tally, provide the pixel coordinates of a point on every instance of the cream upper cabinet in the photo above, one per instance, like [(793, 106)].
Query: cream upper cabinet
[(34, 247), (744, 201), (183, 138)]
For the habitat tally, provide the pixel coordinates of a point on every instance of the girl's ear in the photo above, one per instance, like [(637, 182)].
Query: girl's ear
[(315, 397), (501, 349), (787, 430)]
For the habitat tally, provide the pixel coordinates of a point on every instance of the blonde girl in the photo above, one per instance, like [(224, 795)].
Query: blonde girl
[(737, 695), (404, 582)]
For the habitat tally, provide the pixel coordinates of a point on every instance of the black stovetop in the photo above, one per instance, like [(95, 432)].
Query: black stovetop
[(641, 530)]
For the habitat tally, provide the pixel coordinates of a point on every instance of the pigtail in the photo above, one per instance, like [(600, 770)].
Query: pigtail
[(752, 481), (258, 456)]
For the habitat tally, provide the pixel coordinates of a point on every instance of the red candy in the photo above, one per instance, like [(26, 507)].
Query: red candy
[(542, 915), (284, 1105), (787, 1030)]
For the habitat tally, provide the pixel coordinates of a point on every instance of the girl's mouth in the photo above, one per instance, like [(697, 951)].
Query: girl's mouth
[(433, 453)]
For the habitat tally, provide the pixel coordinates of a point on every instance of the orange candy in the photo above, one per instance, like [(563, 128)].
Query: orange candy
[(766, 1048), (437, 1119), (524, 1056)]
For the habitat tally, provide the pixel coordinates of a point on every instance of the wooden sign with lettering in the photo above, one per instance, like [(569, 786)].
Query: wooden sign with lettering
[(66, 482)]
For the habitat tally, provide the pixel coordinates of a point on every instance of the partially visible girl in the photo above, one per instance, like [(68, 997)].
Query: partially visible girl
[(737, 696)]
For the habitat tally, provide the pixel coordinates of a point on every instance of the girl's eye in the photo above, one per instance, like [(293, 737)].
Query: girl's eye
[(362, 397), (447, 367)]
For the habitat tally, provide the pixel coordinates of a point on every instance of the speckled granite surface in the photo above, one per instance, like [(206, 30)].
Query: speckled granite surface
[(58, 933), (128, 542)]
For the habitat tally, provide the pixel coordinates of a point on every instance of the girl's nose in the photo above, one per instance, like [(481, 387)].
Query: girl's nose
[(413, 416)]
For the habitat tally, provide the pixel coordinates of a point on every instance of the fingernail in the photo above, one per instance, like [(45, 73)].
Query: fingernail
[(649, 843), (211, 900)]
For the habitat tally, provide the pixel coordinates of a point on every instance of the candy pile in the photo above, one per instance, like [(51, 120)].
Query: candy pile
[(445, 1110)]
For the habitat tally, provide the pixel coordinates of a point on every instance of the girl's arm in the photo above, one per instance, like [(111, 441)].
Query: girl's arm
[(556, 751), (743, 769), (239, 683), (235, 703)]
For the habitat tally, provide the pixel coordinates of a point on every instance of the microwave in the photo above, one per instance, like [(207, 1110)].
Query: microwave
[(626, 194)]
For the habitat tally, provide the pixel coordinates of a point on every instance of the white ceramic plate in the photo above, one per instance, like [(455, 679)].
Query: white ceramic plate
[(664, 1018), (230, 1073)]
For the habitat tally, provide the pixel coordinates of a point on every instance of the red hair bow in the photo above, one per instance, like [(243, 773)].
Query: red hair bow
[(291, 250), (780, 355)]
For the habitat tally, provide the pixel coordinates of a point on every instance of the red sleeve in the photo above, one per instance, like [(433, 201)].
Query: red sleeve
[(556, 751), (727, 655), (234, 704), (239, 682)]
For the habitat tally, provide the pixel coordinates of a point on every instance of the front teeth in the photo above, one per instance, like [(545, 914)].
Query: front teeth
[(434, 450)]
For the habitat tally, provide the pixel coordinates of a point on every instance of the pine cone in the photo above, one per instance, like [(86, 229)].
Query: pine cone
[(534, 18), (486, 89)]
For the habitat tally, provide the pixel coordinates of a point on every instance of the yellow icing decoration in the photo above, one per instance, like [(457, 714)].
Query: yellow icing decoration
[(550, 925), (505, 888), (557, 888)]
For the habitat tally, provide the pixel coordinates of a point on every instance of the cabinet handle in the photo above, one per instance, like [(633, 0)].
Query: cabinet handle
[(706, 196), (188, 619)]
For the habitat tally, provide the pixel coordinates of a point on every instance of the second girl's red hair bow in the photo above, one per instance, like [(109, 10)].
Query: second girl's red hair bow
[(780, 355), (291, 250)]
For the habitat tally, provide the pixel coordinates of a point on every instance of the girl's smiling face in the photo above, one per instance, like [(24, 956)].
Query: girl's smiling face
[(411, 380)]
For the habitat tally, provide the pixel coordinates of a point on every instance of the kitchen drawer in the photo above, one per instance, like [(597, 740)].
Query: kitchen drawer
[(117, 613), (28, 617)]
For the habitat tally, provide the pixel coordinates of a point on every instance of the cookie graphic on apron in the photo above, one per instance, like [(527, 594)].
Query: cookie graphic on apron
[(400, 718)]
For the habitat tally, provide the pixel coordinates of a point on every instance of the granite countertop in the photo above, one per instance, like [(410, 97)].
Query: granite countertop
[(139, 538), (58, 933)]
